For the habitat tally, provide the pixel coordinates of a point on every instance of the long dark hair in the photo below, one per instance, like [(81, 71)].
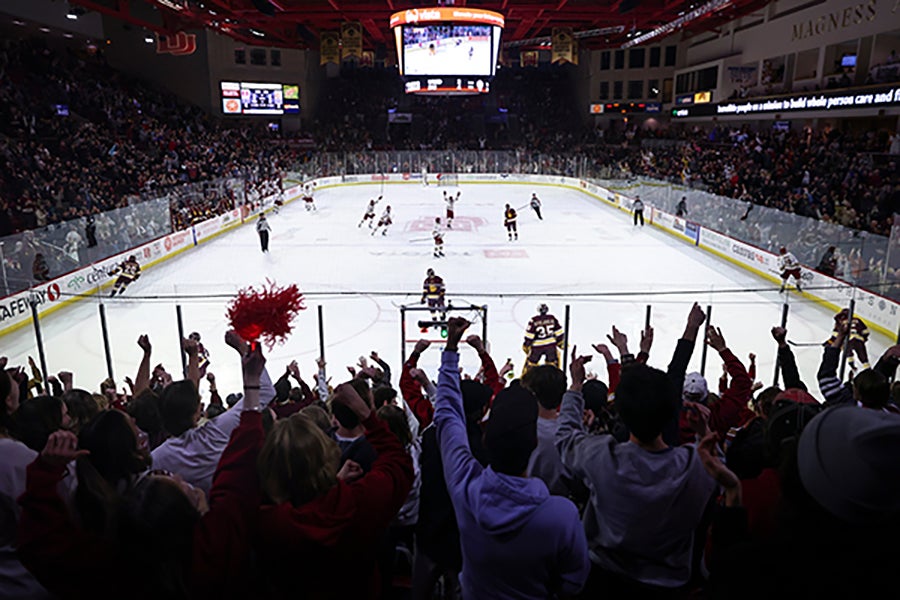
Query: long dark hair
[(154, 531), (115, 459)]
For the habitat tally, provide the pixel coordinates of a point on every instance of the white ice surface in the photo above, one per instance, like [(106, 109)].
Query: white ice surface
[(580, 248)]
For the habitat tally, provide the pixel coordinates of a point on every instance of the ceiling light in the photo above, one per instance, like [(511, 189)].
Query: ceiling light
[(45, 29), (257, 33), (148, 39), (72, 15), (68, 35), (17, 22)]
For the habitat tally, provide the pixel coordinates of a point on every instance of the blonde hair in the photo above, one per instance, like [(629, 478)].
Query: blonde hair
[(298, 462)]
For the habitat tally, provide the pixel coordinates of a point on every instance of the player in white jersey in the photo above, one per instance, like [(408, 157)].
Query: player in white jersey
[(384, 222), (437, 233), (370, 213), (450, 199), (789, 267), (308, 199)]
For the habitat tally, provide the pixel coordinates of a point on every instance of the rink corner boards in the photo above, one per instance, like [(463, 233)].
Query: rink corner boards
[(15, 310)]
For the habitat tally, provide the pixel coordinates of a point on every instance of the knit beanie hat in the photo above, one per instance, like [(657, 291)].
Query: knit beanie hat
[(695, 388), (510, 435), (848, 462)]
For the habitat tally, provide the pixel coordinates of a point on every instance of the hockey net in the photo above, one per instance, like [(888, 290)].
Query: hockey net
[(418, 323), (447, 179)]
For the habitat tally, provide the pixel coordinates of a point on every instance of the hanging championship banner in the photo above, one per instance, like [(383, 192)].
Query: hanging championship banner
[(368, 59), (528, 58), (351, 40), (329, 48), (562, 49)]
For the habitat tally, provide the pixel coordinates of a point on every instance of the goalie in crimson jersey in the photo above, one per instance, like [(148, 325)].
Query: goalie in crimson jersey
[(543, 338)]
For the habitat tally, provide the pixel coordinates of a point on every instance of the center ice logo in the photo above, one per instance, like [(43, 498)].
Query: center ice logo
[(470, 224)]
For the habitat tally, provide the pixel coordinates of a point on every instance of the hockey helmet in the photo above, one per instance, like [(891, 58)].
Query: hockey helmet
[(132, 258), (194, 336), (782, 250), (430, 272), (543, 309)]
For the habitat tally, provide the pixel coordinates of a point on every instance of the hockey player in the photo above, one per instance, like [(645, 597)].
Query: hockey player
[(308, 200), (681, 208), (128, 271), (536, 205), (384, 222), (638, 208), (263, 229), (370, 213), (789, 267), (858, 333), (433, 292), (279, 202), (509, 220), (437, 233), (543, 337), (450, 199), (202, 353)]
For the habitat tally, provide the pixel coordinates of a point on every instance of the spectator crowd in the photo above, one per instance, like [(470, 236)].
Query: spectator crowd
[(648, 482)]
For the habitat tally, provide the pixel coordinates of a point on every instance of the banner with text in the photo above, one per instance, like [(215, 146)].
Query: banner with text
[(351, 40), (329, 48)]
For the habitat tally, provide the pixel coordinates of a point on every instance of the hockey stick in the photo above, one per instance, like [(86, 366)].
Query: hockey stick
[(804, 344), (421, 239)]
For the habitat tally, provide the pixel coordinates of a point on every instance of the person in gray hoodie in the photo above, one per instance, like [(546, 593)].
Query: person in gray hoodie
[(646, 498), (517, 540)]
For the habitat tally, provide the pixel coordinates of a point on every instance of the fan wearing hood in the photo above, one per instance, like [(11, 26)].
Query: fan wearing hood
[(517, 540)]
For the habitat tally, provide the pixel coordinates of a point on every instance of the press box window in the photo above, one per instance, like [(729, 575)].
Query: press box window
[(240, 56)]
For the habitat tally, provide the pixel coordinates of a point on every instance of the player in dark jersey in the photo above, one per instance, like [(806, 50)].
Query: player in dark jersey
[(128, 271), (509, 220), (543, 338), (858, 334), (433, 293)]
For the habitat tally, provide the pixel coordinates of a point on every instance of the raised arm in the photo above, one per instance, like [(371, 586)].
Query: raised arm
[(411, 388), (60, 554), (492, 378), (786, 361), (450, 418), (383, 489), (572, 440), (142, 379), (830, 385), (193, 351), (685, 346), (731, 410)]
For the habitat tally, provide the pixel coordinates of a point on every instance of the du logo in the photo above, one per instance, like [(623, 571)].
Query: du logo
[(412, 15)]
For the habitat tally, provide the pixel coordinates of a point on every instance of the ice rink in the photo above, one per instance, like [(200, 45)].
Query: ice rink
[(471, 58), (583, 253)]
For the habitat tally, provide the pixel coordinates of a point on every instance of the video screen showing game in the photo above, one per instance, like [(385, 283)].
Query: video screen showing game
[(448, 50)]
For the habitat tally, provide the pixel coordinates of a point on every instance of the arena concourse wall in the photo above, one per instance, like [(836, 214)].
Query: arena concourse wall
[(879, 313)]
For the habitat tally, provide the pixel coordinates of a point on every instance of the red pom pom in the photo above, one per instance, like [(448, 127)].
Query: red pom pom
[(266, 314)]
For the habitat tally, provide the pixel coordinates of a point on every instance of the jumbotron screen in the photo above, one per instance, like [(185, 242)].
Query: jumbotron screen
[(246, 98), (443, 42)]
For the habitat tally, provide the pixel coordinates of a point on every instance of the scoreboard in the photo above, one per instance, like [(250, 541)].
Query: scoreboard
[(247, 98)]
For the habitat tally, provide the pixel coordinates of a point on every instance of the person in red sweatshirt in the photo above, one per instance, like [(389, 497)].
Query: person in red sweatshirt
[(170, 541), (318, 522)]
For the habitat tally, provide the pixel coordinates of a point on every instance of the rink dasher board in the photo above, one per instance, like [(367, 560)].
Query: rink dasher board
[(50, 296), (880, 314)]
